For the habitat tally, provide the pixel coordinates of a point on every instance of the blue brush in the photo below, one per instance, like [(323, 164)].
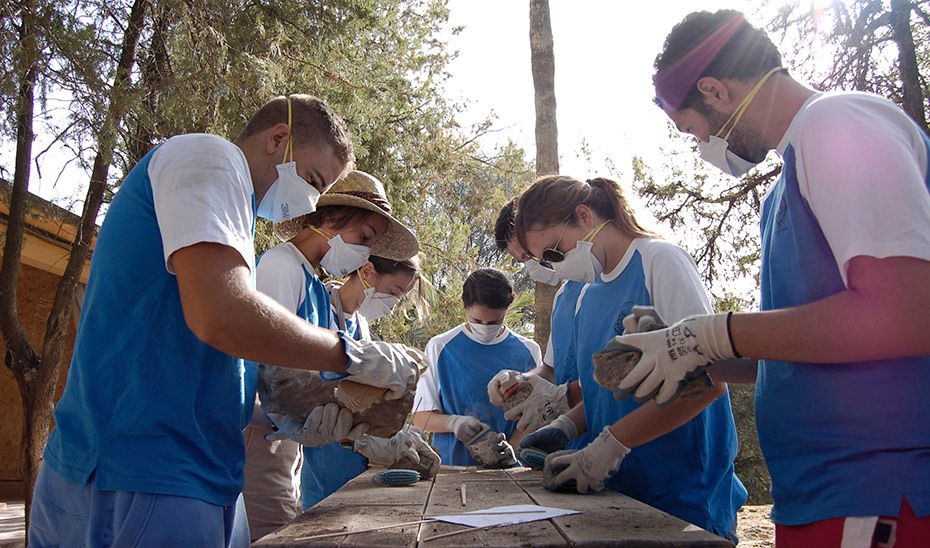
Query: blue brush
[(532, 457), (396, 477)]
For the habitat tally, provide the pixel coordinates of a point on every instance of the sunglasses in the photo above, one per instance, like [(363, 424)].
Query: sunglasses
[(552, 254)]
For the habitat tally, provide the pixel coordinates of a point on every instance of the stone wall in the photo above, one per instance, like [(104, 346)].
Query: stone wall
[(35, 293)]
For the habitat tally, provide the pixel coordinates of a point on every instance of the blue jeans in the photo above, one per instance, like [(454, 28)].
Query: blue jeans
[(65, 513)]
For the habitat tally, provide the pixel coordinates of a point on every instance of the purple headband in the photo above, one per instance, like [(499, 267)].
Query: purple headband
[(674, 81)]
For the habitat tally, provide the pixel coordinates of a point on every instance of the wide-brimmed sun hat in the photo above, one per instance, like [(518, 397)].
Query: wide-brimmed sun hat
[(364, 191)]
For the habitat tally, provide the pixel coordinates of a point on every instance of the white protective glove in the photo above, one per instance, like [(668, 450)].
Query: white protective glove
[(552, 437), (593, 464), (547, 402), (464, 427), (674, 355), (386, 365), (504, 376), (326, 424)]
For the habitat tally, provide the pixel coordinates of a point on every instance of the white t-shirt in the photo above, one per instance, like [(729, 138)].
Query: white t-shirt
[(858, 160), (202, 190)]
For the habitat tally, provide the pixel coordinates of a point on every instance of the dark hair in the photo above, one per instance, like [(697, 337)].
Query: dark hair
[(489, 287), (747, 55), (503, 227), (313, 123), (409, 266), (340, 216), (552, 199)]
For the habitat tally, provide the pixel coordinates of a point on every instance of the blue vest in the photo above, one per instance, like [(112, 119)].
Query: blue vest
[(563, 333), (465, 368), (688, 472), (839, 439), (147, 407)]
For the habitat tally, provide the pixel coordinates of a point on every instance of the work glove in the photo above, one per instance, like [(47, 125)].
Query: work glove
[(407, 444), (464, 427), (395, 367), (552, 437), (505, 377), (641, 319), (592, 465), (326, 424), (673, 356), (493, 451), (547, 402)]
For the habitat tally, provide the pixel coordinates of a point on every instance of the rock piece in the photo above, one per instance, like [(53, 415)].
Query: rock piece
[(550, 472), (612, 366), (483, 448), (294, 393)]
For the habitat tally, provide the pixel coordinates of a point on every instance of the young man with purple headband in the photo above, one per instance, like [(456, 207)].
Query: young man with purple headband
[(844, 356)]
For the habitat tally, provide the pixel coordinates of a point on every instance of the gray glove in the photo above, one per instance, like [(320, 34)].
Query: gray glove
[(542, 406), (406, 444), (464, 427), (326, 424), (395, 367), (552, 437)]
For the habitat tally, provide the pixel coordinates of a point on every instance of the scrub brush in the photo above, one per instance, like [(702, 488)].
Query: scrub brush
[(532, 457), (396, 477)]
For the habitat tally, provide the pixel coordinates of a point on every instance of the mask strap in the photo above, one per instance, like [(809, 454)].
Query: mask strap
[(594, 231), (365, 285), (320, 231), (288, 149), (744, 104)]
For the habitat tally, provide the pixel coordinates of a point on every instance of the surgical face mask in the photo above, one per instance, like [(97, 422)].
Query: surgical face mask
[(540, 273), (342, 258), (717, 152), (485, 333), (579, 264), (377, 305), (290, 195)]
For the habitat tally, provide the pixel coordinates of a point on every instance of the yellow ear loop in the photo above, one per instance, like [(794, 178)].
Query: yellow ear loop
[(321, 232), (744, 104), (288, 149), (594, 231)]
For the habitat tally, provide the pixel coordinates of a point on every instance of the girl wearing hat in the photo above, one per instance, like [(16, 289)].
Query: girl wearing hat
[(678, 459), (351, 222)]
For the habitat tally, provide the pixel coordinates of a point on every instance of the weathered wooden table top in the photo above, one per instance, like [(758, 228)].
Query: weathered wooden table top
[(606, 519)]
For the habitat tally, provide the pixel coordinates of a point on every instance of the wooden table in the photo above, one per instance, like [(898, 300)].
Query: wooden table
[(606, 519)]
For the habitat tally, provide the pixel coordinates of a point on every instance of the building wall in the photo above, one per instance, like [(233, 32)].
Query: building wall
[(35, 294)]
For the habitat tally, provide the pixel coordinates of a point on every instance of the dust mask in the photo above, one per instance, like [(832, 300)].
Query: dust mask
[(716, 151)]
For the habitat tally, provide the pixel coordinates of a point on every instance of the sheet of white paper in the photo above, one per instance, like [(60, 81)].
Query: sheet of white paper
[(505, 515)]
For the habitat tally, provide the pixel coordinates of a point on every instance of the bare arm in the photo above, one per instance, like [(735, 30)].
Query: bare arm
[(649, 422), (735, 371), (225, 312), (881, 316), (431, 421)]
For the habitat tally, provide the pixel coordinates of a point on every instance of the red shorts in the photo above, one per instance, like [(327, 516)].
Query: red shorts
[(903, 531)]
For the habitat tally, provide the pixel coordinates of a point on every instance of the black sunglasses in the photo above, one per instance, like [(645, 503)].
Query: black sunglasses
[(552, 254)]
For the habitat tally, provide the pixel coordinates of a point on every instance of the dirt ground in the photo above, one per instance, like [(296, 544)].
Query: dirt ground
[(755, 528)]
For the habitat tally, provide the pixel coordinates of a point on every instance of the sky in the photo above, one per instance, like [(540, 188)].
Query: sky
[(604, 50)]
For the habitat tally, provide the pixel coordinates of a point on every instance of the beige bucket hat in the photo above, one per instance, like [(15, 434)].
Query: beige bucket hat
[(364, 191)]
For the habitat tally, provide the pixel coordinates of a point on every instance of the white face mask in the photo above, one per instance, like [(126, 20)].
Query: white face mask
[(289, 196), (343, 258), (579, 264), (485, 333), (540, 273), (376, 305), (718, 154), (717, 150)]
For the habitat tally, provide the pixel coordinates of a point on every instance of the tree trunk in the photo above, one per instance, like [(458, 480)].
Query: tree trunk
[(21, 358), (912, 97), (35, 375), (547, 135)]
